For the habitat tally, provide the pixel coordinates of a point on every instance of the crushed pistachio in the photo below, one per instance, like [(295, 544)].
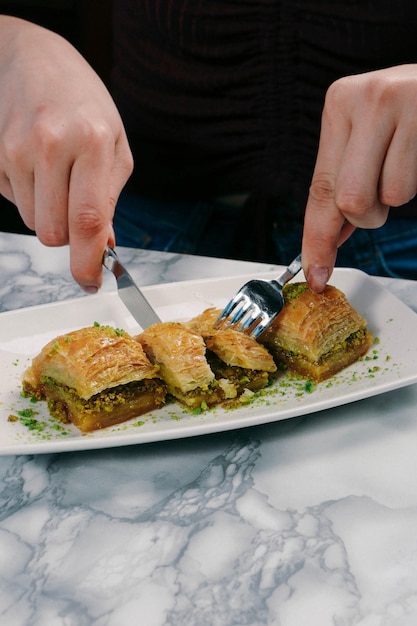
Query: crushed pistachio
[(294, 290), (309, 386)]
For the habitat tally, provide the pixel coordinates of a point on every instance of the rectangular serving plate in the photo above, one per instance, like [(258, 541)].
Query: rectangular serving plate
[(390, 364)]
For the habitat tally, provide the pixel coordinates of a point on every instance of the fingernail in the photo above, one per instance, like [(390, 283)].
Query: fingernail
[(90, 289), (317, 277)]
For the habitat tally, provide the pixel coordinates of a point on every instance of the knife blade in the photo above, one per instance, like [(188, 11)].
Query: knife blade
[(129, 292)]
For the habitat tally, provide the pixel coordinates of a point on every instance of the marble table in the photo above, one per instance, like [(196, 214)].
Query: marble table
[(306, 522)]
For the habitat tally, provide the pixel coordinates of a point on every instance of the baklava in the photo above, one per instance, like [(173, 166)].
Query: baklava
[(99, 376), (95, 377), (180, 355), (234, 356), (316, 335)]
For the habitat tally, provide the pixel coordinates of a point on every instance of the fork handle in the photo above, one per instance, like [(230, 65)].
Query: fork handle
[(293, 269)]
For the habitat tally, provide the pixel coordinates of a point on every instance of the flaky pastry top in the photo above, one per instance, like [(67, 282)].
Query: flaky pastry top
[(91, 360), (232, 347), (312, 324), (240, 350), (179, 352), (203, 323)]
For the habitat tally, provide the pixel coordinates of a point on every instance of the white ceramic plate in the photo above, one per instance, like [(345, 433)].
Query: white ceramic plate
[(391, 363)]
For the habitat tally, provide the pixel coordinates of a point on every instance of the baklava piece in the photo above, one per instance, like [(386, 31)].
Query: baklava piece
[(95, 377), (180, 354), (316, 335), (234, 356)]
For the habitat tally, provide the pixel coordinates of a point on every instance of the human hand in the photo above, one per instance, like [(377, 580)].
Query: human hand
[(366, 162), (64, 155)]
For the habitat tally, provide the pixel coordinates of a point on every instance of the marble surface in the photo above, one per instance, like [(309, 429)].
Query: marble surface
[(307, 522)]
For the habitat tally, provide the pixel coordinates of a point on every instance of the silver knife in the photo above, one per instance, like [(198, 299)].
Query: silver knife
[(129, 292)]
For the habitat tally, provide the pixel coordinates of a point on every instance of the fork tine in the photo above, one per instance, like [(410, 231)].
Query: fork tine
[(256, 323), (243, 315), (234, 311), (230, 306), (257, 303), (253, 316), (259, 329), (239, 313), (227, 310)]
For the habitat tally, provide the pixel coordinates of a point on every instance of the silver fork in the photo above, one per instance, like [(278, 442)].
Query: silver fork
[(257, 303)]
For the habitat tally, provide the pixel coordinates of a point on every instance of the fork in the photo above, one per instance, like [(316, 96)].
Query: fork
[(257, 303)]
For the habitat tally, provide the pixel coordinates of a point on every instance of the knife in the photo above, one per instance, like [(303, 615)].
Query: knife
[(129, 292)]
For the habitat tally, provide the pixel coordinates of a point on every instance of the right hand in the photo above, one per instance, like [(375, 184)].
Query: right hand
[(64, 155), (366, 162)]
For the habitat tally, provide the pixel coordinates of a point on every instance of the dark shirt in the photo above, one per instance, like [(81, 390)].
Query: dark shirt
[(223, 96)]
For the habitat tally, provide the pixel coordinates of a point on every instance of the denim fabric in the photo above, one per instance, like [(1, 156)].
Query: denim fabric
[(210, 228), (387, 251), (158, 225), (205, 228)]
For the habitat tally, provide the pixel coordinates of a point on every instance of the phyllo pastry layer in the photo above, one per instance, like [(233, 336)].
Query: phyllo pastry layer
[(232, 355), (180, 354), (95, 377), (317, 335)]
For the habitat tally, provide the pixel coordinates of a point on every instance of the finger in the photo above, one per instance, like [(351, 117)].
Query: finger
[(323, 221), (122, 167), (358, 182), (397, 184), (6, 189), (51, 202), (90, 212), (345, 232), (319, 245), (121, 171), (345, 186), (17, 187), (40, 186), (55, 147), (111, 241)]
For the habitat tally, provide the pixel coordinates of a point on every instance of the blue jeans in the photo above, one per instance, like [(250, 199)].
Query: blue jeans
[(390, 250), (205, 228), (212, 229)]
